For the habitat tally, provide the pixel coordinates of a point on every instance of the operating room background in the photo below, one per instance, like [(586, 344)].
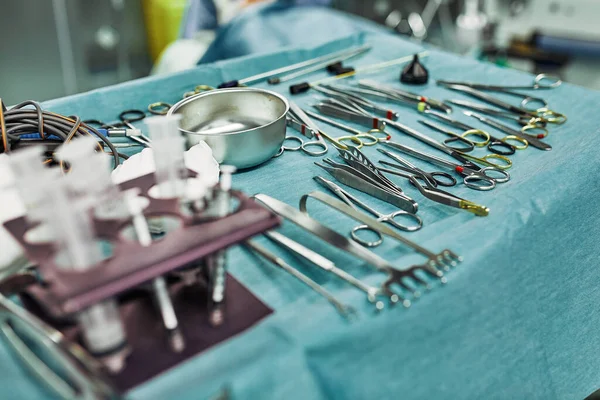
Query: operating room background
[(72, 46)]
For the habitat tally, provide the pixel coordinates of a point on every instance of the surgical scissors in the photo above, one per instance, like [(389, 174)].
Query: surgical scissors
[(430, 189), (472, 178), (475, 90), (357, 135), (494, 145), (384, 218), (433, 179), (485, 160), (533, 141), (298, 120), (527, 123)]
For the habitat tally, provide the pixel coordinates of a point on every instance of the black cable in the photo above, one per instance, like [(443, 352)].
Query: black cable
[(24, 121)]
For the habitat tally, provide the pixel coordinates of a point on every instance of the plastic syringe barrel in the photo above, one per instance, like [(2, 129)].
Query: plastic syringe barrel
[(168, 147)]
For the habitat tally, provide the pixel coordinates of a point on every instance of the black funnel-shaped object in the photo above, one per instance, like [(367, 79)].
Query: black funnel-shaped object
[(414, 73)]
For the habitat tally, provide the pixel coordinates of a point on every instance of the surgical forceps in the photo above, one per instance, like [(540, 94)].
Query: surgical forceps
[(301, 122), (430, 190), (494, 144), (384, 218), (356, 179), (477, 179), (533, 141), (350, 111), (475, 90), (347, 95), (527, 123), (404, 96)]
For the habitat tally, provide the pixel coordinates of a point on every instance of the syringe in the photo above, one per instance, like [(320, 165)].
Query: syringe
[(168, 147), (90, 175), (68, 217), (216, 263), (159, 285)]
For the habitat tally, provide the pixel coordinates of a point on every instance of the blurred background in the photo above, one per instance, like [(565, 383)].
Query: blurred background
[(59, 47)]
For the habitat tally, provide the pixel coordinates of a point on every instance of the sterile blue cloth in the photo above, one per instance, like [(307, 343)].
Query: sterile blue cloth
[(518, 319)]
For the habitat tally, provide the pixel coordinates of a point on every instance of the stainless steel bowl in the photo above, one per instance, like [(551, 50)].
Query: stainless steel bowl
[(243, 126)]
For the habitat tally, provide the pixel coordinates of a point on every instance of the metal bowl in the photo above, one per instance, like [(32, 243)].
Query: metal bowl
[(243, 126)]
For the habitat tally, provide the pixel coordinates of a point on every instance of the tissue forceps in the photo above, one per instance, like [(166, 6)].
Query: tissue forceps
[(494, 145), (355, 179), (383, 218), (350, 111), (472, 178)]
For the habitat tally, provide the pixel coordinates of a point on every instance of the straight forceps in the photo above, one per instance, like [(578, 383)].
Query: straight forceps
[(404, 96), (430, 189), (298, 120), (359, 138), (384, 218), (494, 145), (472, 178), (347, 95), (350, 112), (526, 108), (533, 141)]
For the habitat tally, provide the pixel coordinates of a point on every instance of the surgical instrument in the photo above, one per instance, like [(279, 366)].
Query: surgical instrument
[(494, 144), (541, 81), (345, 311), (472, 178), (544, 113), (355, 158), (466, 145), (365, 138), (81, 378), (305, 86), (350, 112), (285, 69), (434, 179), (522, 120), (298, 120), (538, 144), (404, 96), (159, 285), (443, 260), (430, 191), (349, 176), (394, 275), (327, 265), (349, 95), (389, 218), (485, 160), (348, 54)]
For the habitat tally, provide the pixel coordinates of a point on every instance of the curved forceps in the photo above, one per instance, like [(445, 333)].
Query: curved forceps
[(494, 145), (472, 178), (384, 218)]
